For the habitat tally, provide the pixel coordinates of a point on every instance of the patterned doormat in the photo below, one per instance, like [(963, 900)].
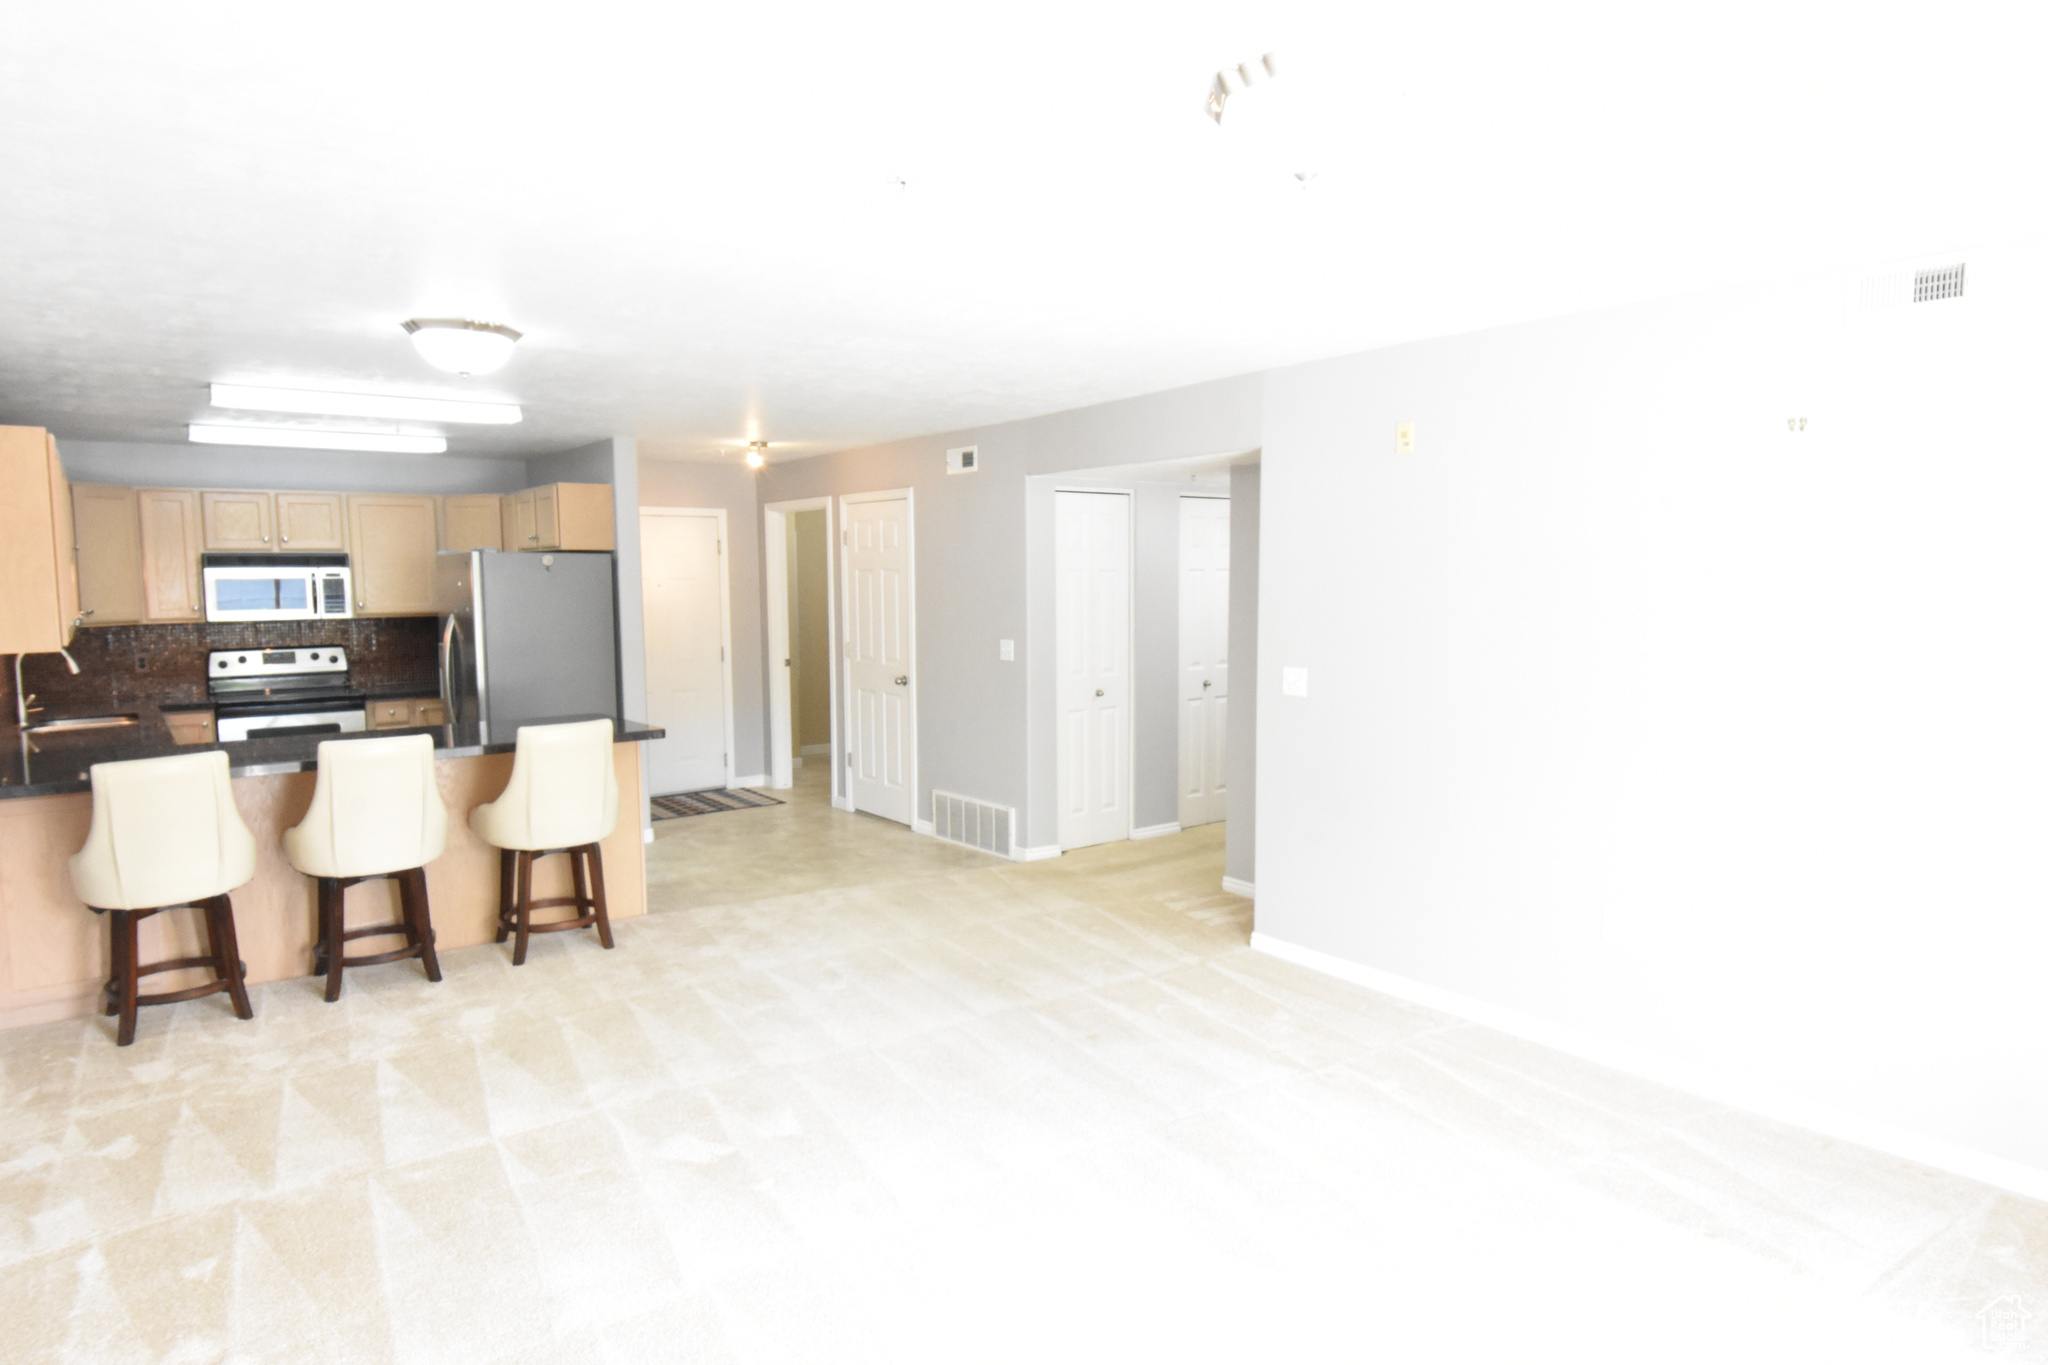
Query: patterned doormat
[(708, 803)]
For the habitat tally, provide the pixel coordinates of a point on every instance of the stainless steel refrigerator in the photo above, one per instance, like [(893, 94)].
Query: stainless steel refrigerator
[(526, 637)]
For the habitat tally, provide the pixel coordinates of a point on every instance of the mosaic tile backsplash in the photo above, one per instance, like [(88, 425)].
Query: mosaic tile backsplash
[(118, 665)]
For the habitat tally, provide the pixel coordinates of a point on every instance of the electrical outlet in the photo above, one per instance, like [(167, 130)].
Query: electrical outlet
[(1293, 682), (142, 663), (1006, 650), (1404, 438)]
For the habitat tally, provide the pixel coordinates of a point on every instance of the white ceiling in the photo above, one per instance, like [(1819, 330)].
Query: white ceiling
[(695, 216)]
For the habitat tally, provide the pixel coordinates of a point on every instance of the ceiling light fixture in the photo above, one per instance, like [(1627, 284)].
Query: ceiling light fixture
[(306, 438), (398, 407), (460, 346), (757, 454)]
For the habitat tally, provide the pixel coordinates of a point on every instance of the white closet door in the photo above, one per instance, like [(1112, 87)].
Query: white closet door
[(683, 602), (1204, 661), (879, 687), (1092, 561)]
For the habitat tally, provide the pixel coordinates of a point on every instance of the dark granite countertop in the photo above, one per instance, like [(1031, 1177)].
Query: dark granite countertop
[(56, 762)]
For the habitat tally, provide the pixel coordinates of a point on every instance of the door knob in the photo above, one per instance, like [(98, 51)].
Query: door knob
[(1205, 682), (1098, 691), (903, 680)]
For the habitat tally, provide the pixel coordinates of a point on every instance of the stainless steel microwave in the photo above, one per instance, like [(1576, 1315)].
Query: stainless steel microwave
[(306, 587)]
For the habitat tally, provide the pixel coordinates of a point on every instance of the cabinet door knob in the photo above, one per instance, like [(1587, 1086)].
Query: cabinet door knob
[(266, 540), (1098, 691)]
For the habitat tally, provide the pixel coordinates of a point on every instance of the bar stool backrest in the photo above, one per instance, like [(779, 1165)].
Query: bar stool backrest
[(376, 809), (165, 831), (563, 792)]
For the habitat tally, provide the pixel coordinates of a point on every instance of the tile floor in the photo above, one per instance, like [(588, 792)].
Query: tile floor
[(852, 1094)]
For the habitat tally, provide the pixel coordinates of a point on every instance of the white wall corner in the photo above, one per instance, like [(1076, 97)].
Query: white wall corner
[(1154, 831), (1699, 1079), (1038, 854), (1238, 886)]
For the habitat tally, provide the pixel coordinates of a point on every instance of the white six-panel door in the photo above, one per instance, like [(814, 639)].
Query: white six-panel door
[(682, 583), (1092, 630), (1204, 662), (878, 656)]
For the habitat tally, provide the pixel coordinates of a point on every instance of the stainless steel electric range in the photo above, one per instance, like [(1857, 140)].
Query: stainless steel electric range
[(282, 692)]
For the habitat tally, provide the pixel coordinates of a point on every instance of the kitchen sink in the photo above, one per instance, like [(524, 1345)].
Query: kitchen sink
[(68, 723)]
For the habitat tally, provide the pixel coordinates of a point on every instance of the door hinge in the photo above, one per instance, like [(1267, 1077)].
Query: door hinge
[(721, 546), (846, 539), (721, 654)]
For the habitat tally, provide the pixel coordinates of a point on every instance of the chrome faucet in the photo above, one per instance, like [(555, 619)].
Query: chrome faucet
[(22, 699)]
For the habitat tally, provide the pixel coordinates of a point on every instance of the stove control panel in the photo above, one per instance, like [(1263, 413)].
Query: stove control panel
[(271, 663)]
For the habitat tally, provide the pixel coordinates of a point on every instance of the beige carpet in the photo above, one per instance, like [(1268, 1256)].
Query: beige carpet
[(859, 1095)]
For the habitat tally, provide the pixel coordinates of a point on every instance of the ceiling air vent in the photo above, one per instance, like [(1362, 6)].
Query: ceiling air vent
[(963, 459), (1943, 283)]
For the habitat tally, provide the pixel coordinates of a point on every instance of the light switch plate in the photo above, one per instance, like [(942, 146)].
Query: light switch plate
[(1404, 438), (1293, 682), (1006, 650)]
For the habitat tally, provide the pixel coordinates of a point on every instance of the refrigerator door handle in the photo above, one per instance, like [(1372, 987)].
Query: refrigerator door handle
[(447, 668)]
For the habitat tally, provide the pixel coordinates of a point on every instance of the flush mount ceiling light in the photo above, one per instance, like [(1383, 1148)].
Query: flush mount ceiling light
[(460, 346), (757, 454), (305, 438), (399, 407)]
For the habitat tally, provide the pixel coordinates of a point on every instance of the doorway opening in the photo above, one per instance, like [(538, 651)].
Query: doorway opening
[(803, 685), (685, 594)]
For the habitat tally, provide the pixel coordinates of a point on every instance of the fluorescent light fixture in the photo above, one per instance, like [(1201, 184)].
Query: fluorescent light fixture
[(258, 398), (460, 346), (305, 438)]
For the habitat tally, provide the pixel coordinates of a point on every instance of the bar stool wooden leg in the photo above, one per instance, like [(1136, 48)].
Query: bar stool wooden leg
[(523, 905), (220, 931), (124, 973), (412, 889), (332, 943), (507, 891), (593, 857)]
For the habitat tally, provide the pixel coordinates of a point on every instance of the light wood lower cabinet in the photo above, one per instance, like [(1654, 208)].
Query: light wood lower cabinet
[(235, 520), (109, 554), (405, 712), (170, 554), (190, 727), (472, 521), (391, 545), (311, 521)]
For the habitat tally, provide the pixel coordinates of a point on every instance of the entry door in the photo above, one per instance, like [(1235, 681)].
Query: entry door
[(880, 692), (1204, 651), (683, 598), (1092, 611)]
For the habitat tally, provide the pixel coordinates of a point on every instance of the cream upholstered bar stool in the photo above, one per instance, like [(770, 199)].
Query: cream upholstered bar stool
[(165, 833), (376, 813), (562, 798)]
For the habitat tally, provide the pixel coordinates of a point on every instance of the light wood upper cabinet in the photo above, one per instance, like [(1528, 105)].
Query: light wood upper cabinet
[(472, 521), (38, 583), (391, 546), (560, 516), (170, 554), (518, 520), (109, 554), (234, 520), (311, 521)]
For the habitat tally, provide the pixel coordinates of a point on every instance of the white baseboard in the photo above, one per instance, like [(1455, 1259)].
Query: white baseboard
[(813, 750), (757, 780), (918, 826), (1238, 886), (1038, 854), (1154, 831), (646, 834), (844, 803), (1700, 1079)]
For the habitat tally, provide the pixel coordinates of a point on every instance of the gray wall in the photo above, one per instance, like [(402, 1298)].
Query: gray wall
[(1240, 758), (160, 465), (984, 729), (1634, 711), (690, 483)]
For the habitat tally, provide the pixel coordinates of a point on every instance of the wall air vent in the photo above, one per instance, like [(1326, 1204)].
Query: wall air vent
[(1943, 283), (963, 459), (976, 824)]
